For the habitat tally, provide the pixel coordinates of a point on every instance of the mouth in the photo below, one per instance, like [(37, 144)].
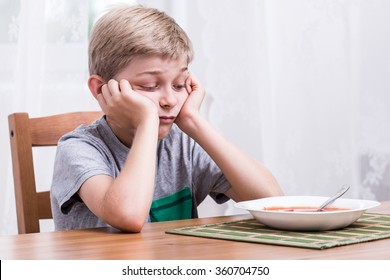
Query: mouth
[(167, 119)]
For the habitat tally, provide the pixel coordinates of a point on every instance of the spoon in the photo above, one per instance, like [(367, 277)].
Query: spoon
[(342, 191)]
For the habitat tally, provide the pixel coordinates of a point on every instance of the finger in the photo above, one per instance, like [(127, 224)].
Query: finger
[(125, 86), (106, 94), (188, 84), (102, 102), (195, 85), (113, 87)]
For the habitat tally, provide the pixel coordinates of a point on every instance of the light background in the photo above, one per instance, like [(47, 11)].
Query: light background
[(301, 85)]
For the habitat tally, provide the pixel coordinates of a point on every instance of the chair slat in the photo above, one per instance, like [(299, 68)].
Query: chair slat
[(46, 131)]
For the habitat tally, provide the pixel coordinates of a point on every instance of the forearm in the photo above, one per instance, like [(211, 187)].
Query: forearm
[(249, 179), (127, 202)]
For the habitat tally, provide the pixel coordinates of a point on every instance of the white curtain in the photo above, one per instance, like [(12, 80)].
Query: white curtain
[(43, 70), (301, 85)]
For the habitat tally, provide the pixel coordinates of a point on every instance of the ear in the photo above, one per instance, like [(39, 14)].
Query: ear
[(95, 83)]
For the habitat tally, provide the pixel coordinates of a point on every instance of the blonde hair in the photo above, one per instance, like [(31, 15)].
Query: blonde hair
[(130, 31)]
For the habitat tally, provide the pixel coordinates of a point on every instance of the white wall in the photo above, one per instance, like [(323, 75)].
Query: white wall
[(301, 85)]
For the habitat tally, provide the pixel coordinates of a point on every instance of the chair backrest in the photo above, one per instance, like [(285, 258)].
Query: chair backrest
[(26, 133)]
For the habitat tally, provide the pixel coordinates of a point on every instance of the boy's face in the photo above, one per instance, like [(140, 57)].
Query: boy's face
[(163, 82)]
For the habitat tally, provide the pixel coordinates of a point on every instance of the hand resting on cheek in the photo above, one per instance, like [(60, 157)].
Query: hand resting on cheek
[(124, 107), (191, 107)]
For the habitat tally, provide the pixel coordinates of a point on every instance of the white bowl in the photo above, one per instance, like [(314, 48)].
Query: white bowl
[(306, 221)]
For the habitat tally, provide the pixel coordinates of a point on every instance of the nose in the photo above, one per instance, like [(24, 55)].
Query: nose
[(167, 98)]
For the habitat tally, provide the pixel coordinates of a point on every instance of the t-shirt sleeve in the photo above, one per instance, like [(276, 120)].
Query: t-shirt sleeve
[(76, 161), (208, 178)]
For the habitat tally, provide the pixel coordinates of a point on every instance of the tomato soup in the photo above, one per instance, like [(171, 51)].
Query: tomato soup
[(303, 208)]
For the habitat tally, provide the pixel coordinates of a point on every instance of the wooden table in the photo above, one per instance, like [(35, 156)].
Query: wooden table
[(154, 243)]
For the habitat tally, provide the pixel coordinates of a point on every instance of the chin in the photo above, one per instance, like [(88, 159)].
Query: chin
[(163, 132)]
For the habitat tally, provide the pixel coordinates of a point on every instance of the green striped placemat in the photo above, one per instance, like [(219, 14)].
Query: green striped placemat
[(368, 228)]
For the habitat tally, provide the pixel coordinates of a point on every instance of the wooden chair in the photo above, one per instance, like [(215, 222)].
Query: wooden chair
[(26, 133)]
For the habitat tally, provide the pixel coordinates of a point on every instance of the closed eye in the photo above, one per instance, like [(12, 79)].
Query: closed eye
[(179, 87), (149, 88)]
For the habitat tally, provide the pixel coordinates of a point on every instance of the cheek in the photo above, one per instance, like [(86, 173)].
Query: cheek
[(181, 99)]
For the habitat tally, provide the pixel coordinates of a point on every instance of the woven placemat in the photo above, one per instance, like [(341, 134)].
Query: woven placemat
[(368, 228)]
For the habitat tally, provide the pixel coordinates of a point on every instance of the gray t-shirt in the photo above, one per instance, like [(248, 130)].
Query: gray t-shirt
[(185, 175)]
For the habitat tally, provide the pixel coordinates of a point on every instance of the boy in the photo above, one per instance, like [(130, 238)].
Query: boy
[(152, 157)]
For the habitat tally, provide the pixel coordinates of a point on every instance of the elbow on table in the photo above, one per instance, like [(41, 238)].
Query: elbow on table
[(130, 221), (131, 224)]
